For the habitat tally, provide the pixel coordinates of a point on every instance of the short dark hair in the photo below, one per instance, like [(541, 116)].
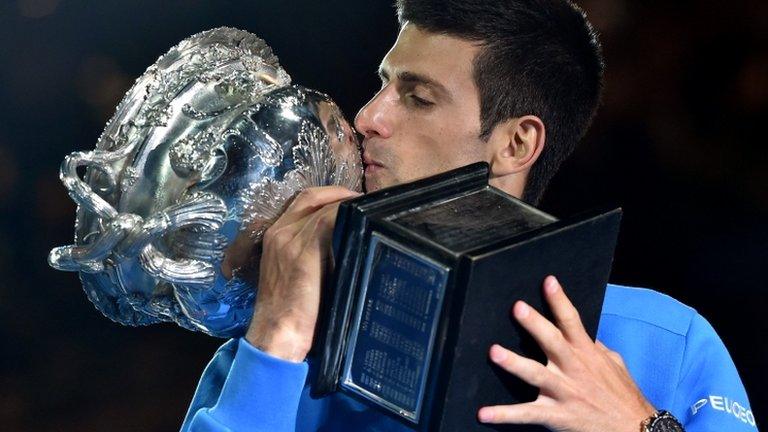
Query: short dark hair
[(539, 57)]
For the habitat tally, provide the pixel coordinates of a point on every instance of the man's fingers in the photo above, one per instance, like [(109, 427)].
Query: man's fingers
[(530, 371), (295, 238), (321, 224), (524, 413), (566, 316), (310, 200), (313, 232), (549, 337)]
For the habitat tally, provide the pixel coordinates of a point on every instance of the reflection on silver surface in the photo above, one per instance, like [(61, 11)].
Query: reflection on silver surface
[(201, 156)]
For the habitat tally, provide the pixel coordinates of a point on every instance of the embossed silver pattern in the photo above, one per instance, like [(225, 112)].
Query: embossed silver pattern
[(202, 155)]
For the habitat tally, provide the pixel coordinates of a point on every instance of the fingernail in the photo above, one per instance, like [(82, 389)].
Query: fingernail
[(485, 415), (522, 310), (498, 354), (551, 285)]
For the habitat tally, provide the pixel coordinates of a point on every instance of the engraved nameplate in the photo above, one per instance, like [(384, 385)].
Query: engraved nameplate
[(394, 329)]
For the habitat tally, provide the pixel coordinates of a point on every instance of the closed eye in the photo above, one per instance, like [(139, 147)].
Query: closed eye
[(419, 101)]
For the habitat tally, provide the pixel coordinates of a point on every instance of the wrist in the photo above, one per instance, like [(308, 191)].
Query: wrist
[(279, 340)]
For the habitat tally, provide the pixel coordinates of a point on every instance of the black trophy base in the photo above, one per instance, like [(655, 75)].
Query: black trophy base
[(426, 276)]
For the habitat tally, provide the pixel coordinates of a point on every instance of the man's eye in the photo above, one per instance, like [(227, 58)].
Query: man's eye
[(419, 101)]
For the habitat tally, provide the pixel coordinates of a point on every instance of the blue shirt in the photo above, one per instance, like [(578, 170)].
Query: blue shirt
[(672, 352)]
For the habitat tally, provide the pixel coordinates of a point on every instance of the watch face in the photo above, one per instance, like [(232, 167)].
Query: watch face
[(665, 423)]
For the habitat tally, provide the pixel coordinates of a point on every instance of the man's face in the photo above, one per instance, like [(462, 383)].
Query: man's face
[(426, 117)]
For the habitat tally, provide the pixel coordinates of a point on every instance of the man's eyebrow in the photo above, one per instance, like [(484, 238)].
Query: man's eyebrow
[(416, 78)]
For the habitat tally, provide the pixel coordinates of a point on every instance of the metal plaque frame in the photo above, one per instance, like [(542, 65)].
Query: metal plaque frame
[(379, 240)]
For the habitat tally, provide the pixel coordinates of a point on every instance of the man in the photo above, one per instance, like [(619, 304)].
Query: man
[(514, 83)]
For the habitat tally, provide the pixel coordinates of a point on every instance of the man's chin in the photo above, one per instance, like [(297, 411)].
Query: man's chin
[(369, 186), (373, 181), (381, 179)]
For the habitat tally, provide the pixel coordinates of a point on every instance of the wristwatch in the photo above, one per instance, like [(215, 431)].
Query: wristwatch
[(661, 421)]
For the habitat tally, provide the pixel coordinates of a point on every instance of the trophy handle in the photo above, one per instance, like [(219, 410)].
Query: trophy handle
[(88, 258), (203, 212), (128, 235), (100, 160), (183, 271)]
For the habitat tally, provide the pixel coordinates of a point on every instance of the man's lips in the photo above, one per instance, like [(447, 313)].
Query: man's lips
[(368, 160), (371, 165)]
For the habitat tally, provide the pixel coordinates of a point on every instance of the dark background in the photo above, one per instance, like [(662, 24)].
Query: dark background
[(678, 144)]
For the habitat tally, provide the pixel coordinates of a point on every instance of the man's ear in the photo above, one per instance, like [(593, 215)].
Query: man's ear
[(516, 144)]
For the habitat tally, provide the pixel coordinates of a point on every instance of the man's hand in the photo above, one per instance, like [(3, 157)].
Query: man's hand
[(296, 250), (585, 387)]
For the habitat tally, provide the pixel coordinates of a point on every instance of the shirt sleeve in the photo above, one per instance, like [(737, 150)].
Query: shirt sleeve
[(245, 389), (710, 396)]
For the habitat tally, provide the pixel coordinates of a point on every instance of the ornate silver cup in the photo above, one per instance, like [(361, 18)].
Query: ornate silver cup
[(201, 156)]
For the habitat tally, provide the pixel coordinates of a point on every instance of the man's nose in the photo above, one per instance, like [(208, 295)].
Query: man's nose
[(375, 118)]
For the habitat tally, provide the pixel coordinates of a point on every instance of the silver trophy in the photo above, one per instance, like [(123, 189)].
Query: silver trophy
[(203, 153)]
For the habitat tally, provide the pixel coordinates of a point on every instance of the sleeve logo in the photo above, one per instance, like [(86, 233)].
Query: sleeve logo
[(728, 406)]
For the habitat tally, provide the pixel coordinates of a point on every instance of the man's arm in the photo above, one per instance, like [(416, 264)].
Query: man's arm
[(710, 396), (256, 384), (296, 253), (244, 389)]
